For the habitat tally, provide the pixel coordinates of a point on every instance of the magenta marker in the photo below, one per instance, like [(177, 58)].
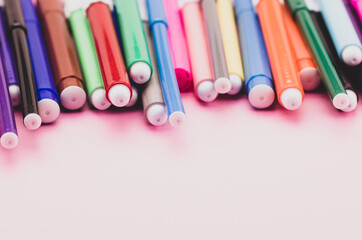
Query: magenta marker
[(179, 52)]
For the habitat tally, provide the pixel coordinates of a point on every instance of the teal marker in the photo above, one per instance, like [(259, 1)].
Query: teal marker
[(87, 53), (134, 42)]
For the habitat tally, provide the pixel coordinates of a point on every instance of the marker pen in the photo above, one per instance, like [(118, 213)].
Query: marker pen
[(258, 77), (115, 76), (134, 41), (158, 25), (134, 97), (231, 44), (286, 76), (62, 53), (357, 4), (8, 61), (356, 22), (17, 32), (154, 107), (221, 72), (178, 46), (9, 135), (341, 68), (200, 57), (49, 109), (87, 53), (341, 29), (308, 71), (325, 66)]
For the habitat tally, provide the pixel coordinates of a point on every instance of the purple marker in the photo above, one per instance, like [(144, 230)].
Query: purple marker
[(8, 61), (9, 134), (354, 18)]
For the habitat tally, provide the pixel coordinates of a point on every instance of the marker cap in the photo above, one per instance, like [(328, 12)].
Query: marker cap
[(353, 101), (223, 85), (156, 114), (9, 140), (73, 97), (99, 99), (310, 78), (134, 97), (176, 119), (87, 3), (15, 95), (236, 84), (140, 72), (291, 98), (261, 96), (352, 55), (206, 91), (119, 95), (49, 110), (32, 121)]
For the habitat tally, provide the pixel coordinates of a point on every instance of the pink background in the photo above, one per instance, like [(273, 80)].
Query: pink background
[(230, 173)]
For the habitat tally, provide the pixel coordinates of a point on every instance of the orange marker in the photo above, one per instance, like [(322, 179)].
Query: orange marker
[(308, 72), (285, 73)]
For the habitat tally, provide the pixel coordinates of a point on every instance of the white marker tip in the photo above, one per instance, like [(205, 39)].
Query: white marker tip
[(177, 119), (291, 99), (352, 55), (99, 99), (140, 72), (73, 98), (353, 101), (9, 140), (261, 96), (223, 85), (156, 114), (14, 91), (236, 84), (49, 110), (310, 78), (119, 95), (341, 101), (206, 91), (32, 121), (134, 98)]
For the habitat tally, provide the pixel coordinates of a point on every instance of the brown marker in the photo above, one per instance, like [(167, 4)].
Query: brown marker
[(66, 69)]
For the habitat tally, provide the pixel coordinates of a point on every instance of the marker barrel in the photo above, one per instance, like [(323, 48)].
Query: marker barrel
[(8, 60), (152, 92), (279, 49), (64, 62), (171, 92), (133, 37), (178, 46), (308, 71), (357, 4), (256, 61), (109, 53), (353, 15), (326, 68), (17, 32), (7, 120), (230, 39), (221, 72), (341, 29), (196, 37), (87, 53)]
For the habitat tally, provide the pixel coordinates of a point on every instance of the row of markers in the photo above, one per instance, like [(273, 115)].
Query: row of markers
[(162, 47)]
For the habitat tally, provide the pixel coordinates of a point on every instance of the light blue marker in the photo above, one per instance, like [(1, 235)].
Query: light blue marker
[(344, 35), (158, 25), (258, 77)]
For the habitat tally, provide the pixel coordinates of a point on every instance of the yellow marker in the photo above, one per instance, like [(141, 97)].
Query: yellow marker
[(231, 44)]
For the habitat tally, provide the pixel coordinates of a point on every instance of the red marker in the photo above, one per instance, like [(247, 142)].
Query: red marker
[(114, 71)]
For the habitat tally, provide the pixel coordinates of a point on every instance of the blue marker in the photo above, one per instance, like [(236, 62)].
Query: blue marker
[(344, 35), (8, 61), (46, 91), (258, 77), (158, 25)]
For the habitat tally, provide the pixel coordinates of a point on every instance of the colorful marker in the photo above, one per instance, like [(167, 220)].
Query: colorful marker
[(344, 36), (158, 25), (258, 77), (17, 31), (134, 41), (231, 44), (200, 57), (221, 72), (154, 107), (49, 109), (9, 135), (308, 71), (357, 24), (357, 4), (8, 61), (62, 53), (115, 76), (329, 75), (179, 52), (286, 76), (134, 98), (87, 53)]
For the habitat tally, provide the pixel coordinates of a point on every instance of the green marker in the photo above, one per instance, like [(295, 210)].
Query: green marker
[(330, 77), (134, 41), (82, 34)]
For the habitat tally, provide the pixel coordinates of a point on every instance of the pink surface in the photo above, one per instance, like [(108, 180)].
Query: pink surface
[(230, 173)]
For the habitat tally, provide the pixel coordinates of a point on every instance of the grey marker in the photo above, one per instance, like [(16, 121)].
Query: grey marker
[(221, 72)]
